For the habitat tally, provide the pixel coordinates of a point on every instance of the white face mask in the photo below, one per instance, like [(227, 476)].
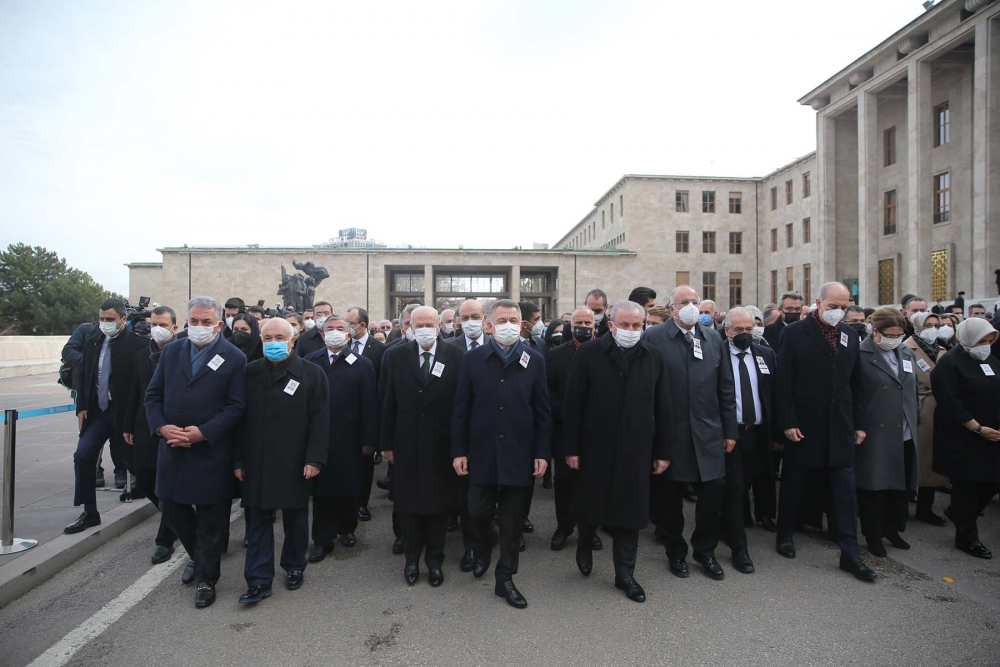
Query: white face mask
[(160, 334), (229, 322), (109, 329), (758, 333), (868, 328), (598, 317), (689, 314), (449, 327), (627, 339), (472, 328), (833, 317), (887, 344), (978, 352), (425, 336), (409, 333), (929, 334), (507, 334), (335, 339), (309, 324), (201, 335), (320, 321), (946, 332), (538, 328)]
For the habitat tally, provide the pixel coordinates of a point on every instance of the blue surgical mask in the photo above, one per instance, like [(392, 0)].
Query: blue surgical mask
[(705, 320), (275, 350)]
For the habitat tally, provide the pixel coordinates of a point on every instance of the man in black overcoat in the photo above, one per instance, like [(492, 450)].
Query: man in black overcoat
[(282, 443), (418, 395), (624, 380), (364, 345), (818, 397), (312, 340), (791, 311)]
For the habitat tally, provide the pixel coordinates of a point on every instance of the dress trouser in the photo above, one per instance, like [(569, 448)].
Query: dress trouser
[(511, 503), (968, 499), (707, 514), (98, 429), (258, 568), (625, 547), (333, 516), (145, 480), (424, 533), (740, 466), (465, 519), (843, 517), (367, 477), (564, 485), (202, 530)]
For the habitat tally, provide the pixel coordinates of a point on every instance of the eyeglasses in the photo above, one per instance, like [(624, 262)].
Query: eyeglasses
[(686, 302)]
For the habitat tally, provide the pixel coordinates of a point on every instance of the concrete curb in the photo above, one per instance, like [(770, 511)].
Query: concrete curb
[(43, 562)]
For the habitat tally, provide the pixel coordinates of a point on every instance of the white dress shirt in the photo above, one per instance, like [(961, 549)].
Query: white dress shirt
[(749, 362), (480, 341), (100, 362), (421, 351), (361, 344)]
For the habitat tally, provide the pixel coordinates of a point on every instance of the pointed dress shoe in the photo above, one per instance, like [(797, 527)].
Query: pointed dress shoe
[(633, 591), (977, 549), (397, 546), (585, 562), (528, 527), (364, 514), (253, 595), (411, 573), (294, 580), (742, 562), (858, 569), (317, 553), (767, 523), (711, 567), (83, 522), (465, 565), (187, 576), (435, 577), (877, 549), (204, 596), (480, 567), (897, 541), (348, 539), (161, 554), (679, 568), (596, 544), (931, 518), (558, 540), (785, 548), (509, 592)]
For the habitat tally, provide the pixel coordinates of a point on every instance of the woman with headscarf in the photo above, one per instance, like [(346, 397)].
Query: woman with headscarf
[(946, 333), (966, 384), (246, 336), (554, 334), (886, 462), (758, 325), (926, 347)]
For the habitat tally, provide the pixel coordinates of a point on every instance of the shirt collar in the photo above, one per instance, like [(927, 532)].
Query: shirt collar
[(361, 342), (433, 350)]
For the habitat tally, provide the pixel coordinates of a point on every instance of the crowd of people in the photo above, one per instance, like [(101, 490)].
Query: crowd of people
[(627, 410)]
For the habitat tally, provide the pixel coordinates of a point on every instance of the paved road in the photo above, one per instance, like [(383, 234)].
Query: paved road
[(355, 609), (43, 502)]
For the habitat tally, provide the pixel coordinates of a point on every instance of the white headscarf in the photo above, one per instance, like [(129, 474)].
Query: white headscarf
[(972, 330), (918, 319)]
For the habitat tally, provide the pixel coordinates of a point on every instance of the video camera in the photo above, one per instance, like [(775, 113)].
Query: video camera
[(136, 317), (270, 312)]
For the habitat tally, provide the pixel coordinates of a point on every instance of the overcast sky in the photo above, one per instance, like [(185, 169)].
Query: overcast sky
[(134, 125)]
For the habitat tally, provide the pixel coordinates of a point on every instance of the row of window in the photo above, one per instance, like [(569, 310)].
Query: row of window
[(789, 198), (790, 234), (708, 285), (682, 197), (942, 204), (942, 134), (790, 282), (589, 233), (614, 243), (682, 243)]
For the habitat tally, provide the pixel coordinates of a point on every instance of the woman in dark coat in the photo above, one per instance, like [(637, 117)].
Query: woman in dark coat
[(886, 463), (966, 384), (246, 336)]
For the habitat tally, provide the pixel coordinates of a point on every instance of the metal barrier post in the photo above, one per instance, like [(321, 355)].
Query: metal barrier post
[(8, 543)]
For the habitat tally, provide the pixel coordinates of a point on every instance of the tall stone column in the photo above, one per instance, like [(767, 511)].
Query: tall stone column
[(429, 285), (985, 239), (916, 229), (868, 194), (826, 163), (515, 282)]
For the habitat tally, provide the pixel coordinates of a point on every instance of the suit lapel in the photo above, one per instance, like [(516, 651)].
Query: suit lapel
[(878, 360), (813, 330)]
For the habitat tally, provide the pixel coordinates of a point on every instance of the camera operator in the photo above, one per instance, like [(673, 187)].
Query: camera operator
[(234, 306)]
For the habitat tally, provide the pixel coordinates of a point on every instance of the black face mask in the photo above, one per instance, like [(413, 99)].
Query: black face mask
[(792, 317), (556, 338), (239, 338), (582, 334), (860, 328), (742, 341)]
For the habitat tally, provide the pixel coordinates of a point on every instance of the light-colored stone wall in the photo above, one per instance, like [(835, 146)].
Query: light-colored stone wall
[(145, 280), (31, 348)]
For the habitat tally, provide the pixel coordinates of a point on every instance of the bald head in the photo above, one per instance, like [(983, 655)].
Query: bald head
[(470, 309), (424, 317), (276, 328)]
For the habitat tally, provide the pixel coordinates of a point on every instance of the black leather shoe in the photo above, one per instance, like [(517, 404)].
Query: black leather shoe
[(383, 484), (679, 568), (858, 569), (411, 572), (364, 514), (435, 577), (977, 549), (467, 561), (596, 544), (187, 576), (528, 527), (161, 554), (742, 562), (767, 523), (558, 540), (397, 546), (712, 567), (521, 546), (877, 549), (294, 579), (633, 591), (99, 482), (930, 517), (317, 553), (452, 524), (119, 480), (786, 548), (585, 561), (897, 541), (507, 590), (348, 539), (480, 567), (83, 522), (253, 595), (205, 595)]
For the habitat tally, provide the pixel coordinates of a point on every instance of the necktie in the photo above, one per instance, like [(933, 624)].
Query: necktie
[(425, 368), (356, 351), (104, 379), (474, 345), (746, 393)]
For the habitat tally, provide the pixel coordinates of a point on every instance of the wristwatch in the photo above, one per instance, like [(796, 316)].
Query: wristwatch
[(979, 430)]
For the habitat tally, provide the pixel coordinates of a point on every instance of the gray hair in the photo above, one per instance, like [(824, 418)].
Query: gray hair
[(443, 312), (914, 298), (504, 303), (581, 308), (409, 309), (824, 290), (755, 311), (334, 318), (714, 305), (738, 310), (205, 302), (629, 306), (680, 287)]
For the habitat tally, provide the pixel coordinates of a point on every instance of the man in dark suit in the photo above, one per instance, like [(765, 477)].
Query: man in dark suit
[(791, 310), (531, 330), (703, 430), (818, 394), (353, 435), (597, 301), (162, 329), (622, 379), (473, 336), (312, 340), (194, 403), (282, 443), (500, 438), (363, 345), (418, 397), (753, 367), (105, 384)]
